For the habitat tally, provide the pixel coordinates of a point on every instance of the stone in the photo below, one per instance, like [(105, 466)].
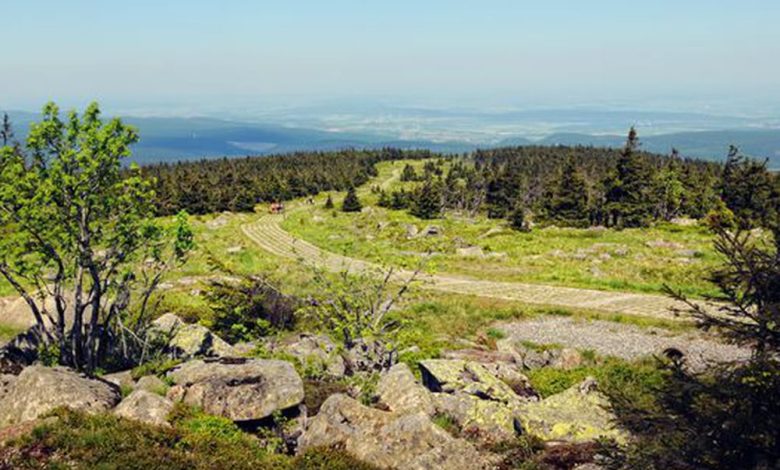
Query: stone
[(663, 244), (431, 231), (186, 341), (494, 420), (688, 253), (123, 379), (6, 384), (568, 359), (238, 389), (471, 252), (578, 414), (387, 440), (471, 378), (146, 407), (684, 222), (399, 391), (411, 230), (234, 249), (39, 390), (314, 351), (153, 384)]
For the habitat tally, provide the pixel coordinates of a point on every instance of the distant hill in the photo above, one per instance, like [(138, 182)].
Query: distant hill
[(175, 138)]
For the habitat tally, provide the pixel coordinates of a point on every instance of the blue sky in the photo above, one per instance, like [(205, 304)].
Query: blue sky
[(226, 51)]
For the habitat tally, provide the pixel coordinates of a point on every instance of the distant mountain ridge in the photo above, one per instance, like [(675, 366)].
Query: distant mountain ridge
[(175, 138)]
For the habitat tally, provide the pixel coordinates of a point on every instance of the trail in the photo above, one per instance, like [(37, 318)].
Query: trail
[(268, 234)]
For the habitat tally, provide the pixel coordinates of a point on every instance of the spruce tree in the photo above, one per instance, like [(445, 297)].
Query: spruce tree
[(569, 204), (426, 203), (517, 219), (748, 190), (351, 202), (628, 188), (329, 202), (408, 173)]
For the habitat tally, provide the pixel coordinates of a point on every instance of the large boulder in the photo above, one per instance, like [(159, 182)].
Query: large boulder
[(388, 440), (470, 378), (185, 340), (313, 351), (38, 390), (578, 414), (153, 384), (493, 420), (6, 384), (238, 389), (146, 407), (399, 391)]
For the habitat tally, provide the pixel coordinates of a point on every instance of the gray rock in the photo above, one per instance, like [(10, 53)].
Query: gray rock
[(431, 231), (123, 379), (151, 383), (494, 420), (471, 252), (145, 406), (411, 231), (38, 390), (470, 378), (241, 390), (6, 384), (399, 391), (313, 351), (186, 341), (388, 440)]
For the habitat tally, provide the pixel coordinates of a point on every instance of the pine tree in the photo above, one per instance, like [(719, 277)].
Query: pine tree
[(668, 189), (517, 219), (329, 202), (384, 199), (628, 189), (426, 203), (351, 202), (749, 191)]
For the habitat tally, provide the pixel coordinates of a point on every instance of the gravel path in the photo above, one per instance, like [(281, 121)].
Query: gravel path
[(268, 234), (621, 340)]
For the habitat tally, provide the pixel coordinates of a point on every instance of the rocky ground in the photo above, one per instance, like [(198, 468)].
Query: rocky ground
[(621, 340), (456, 415)]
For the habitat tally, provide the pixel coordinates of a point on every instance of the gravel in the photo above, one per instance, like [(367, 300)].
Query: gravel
[(623, 340)]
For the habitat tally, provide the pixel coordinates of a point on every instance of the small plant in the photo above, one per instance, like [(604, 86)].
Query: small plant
[(448, 423)]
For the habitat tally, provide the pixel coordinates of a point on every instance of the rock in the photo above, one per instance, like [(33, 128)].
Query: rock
[(387, 440), (145, 406), (622, 251), (578, 414), (188, 340), (663, 244), (688, 253), (38, 390), (123, 379), (471, 378), (234, 249), (684, 222), (567, 359), (314, 350), (399, 391), (153, 384), (219, 222), (431, 231), (503, 364), (494, 420), (6, 384), (241, 390), (597, 228), (493, 231), (472, 252), (411, 230), (530, 358)]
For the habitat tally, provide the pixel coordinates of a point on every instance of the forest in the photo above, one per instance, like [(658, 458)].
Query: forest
[(554, 185)]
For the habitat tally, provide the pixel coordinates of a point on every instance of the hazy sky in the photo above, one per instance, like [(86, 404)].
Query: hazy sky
[(223, 51)]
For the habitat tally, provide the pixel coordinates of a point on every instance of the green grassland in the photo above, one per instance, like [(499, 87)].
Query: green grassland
[(640, 260)]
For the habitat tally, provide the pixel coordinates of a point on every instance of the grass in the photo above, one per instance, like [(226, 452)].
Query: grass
[(639, 260), (194, 441)]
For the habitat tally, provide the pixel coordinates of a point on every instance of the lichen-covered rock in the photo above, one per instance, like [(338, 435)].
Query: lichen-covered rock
[(471, 378), (578, 414), (153, 384), (499, 421), (38, 390), (238, 389), (399, 391), (145, 406), (6, 384), (188, 340), (568, 358), (314, 351), (388, 440), (123, 379)]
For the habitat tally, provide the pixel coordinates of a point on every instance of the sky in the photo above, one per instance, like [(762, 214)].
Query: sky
[(206, 54)]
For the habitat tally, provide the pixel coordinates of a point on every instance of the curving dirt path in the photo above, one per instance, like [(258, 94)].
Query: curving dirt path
[(269, 235)]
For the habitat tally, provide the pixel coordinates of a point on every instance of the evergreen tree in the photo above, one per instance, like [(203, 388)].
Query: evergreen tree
[(748, 190), (517, 219), (569, 204), (668, 189), (426, 203), (408, 173), (399, 200), (628, 189), (351, 202), (502, 190), (329, 202), (384, 199)]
